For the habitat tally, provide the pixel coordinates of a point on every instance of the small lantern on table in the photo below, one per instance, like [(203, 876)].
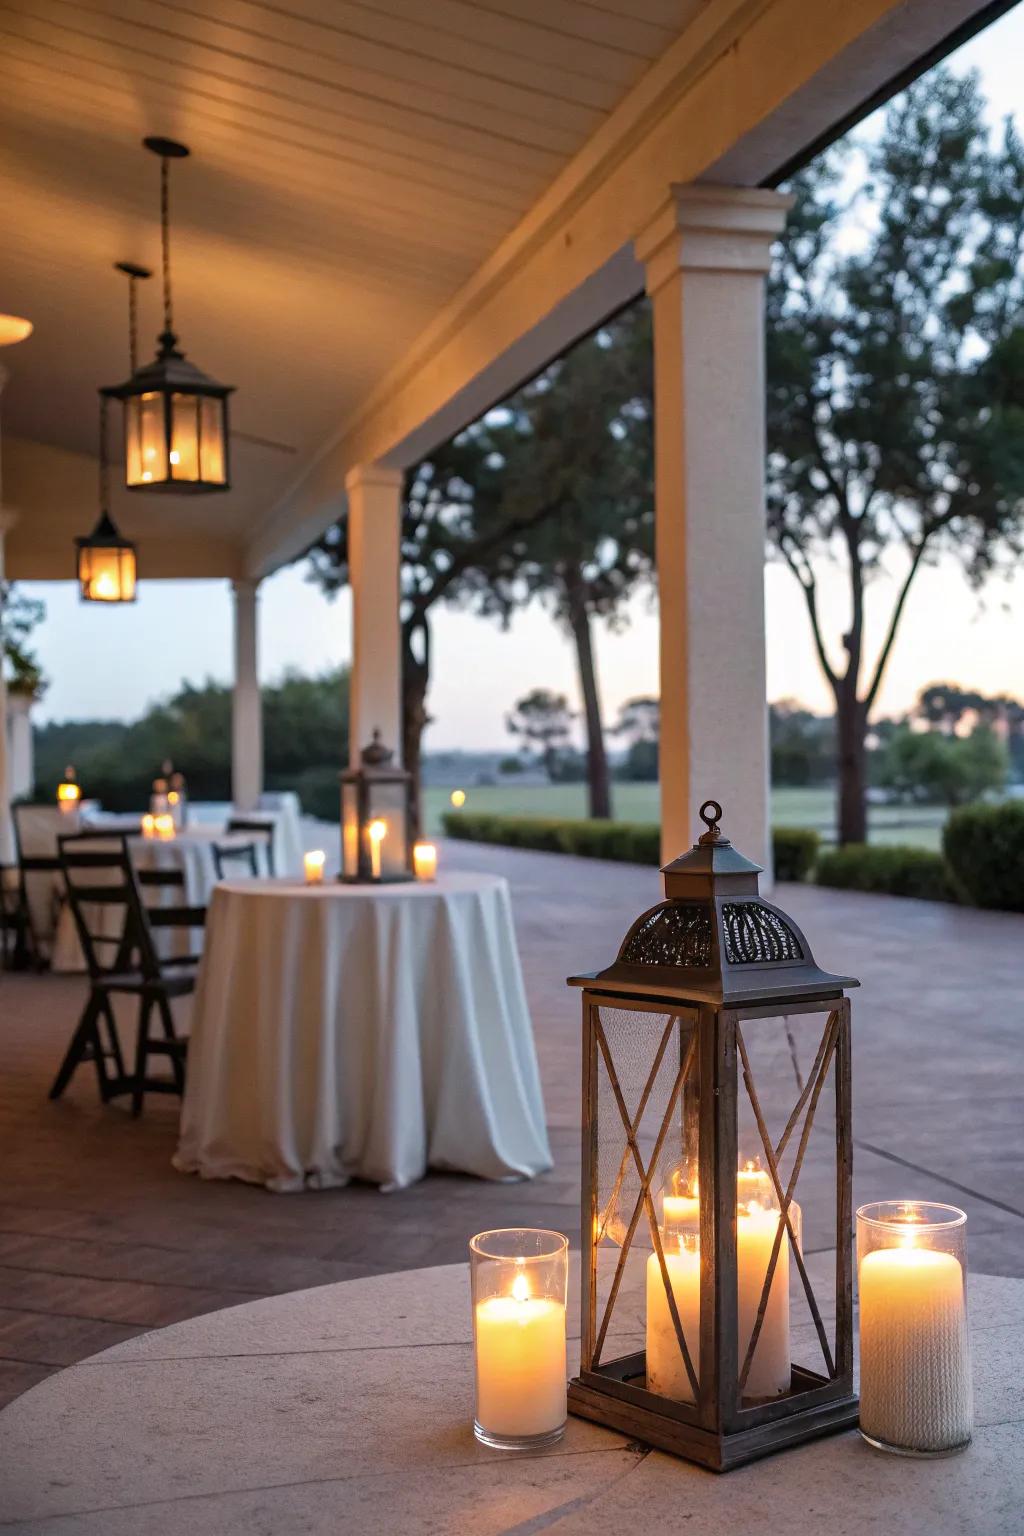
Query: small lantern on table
[(69, 792), (716, 1068), (376, 818)]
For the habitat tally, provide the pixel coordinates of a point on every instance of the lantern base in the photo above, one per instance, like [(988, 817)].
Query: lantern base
[(719, 1452)]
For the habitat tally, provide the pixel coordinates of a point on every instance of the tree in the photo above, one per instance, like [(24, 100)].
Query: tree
[(583, 436), (639, 723), (948, 770), (803, 745), (19, 616), (544, 720), (896, 377)]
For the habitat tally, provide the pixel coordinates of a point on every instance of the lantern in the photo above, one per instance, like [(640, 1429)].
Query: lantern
[(716, 1072), (69, 793), (376, 818), (106, 565), (175, 416)]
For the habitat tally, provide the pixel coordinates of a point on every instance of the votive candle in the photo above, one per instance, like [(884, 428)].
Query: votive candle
[(518, 1278), (313, 865), (424, 861)]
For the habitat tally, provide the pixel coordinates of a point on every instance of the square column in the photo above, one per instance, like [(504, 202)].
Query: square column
[(706, 255), (7, 522), (374, 563), (246, 704), (21, 761)]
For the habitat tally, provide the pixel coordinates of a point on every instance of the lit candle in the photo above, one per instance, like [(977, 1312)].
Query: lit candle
[(164, 827), (666, 1373), (915, 1371), (313, 864), (148, 825), (377, 831), (69, 793), (424, 861), (520, 1363), (770, 1369)]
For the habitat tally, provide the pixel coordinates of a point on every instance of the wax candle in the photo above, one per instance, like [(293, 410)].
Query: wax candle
[(164, 827), (915, 1373), (148, 825), (770, 1372), (424, 861), (313, 865), (518, 1279), (666, 1372), (376, 832)]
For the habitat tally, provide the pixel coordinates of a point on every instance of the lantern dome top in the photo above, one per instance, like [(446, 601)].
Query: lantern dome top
[(714, 939)]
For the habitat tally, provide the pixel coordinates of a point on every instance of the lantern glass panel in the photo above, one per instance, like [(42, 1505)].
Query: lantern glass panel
[(786, 1114), (387, 807), (349, 831), (212, 448), (107, 575), (145, 438), (184, 437), (645, 1199)]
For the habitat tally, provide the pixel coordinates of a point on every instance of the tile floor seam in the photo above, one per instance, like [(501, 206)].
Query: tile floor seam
[(931, 1173)]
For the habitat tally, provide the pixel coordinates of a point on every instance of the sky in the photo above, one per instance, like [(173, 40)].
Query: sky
[(113, 662)]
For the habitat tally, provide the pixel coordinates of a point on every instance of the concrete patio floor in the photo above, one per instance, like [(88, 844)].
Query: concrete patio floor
[(101, 1240)]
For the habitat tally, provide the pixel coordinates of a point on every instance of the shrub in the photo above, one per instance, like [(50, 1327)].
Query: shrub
[(623, 841), (890, 871), (984, 847), (794, 852)]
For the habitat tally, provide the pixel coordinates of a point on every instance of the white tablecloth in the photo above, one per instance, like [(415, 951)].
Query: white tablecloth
[(285, 814), (342, 1031), (192, 853)]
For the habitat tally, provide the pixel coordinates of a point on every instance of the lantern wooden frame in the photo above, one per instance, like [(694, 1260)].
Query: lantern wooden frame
[(708, 1009)]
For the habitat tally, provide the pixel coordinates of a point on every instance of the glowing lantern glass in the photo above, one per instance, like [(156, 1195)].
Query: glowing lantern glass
[(376, 818), (716, 1071), (69, 793), (106, 565)]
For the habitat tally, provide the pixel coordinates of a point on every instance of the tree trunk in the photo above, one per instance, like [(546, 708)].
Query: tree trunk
[(415, 719), (851, 728), (598, 786)]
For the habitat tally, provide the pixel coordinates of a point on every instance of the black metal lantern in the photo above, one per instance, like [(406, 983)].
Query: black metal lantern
[(105, 563), (376, 818), (175, 416), (716, 1089)]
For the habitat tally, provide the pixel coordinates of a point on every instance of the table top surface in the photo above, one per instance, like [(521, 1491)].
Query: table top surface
[(347, 1408), (454, 883)]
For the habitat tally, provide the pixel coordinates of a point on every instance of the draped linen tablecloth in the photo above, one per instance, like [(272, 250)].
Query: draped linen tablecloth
[(361, 1031)]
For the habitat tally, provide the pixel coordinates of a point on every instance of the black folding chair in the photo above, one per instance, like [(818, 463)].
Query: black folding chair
[(264, 827), (15, 929), (117, 932), (237, 853), (36, 830)]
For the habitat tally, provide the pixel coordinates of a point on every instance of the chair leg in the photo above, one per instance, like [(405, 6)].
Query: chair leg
[(114, 1038), (177, 1065), (141, 1055), (85, 1034)]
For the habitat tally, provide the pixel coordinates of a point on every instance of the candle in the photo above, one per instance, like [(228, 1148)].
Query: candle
[(770, 1372), (519, 1279), (148, 825), (424, 861), (69, 793), (313, 865), (915, 1372), (164, 827), (377, 831), (666, 1372)]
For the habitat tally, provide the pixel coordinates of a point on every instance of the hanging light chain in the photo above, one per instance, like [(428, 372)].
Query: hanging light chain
[(165, 237), (104, 467), (133, 324)]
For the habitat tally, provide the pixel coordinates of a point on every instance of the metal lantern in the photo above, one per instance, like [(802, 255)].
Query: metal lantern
[(717, 1310), (105, 563), (376, 818), (175, 416)]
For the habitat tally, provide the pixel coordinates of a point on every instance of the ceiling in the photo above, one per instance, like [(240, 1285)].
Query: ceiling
[(353, 164)]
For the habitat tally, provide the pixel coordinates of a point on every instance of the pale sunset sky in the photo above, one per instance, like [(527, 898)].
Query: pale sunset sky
[(106, 663)]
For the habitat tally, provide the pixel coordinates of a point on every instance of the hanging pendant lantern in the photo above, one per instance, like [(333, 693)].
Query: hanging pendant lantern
[(175, 416), (106, 564)]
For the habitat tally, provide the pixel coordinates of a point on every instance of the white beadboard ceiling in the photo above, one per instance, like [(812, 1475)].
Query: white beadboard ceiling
[(353, 163)]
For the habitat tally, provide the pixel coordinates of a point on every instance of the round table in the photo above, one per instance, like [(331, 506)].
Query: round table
[(347, 1409), (344, 1031)]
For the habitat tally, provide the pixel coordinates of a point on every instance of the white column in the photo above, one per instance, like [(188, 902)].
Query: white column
[(374, 561), (7, 521), (246, 705), (706, 254), (21, 760)]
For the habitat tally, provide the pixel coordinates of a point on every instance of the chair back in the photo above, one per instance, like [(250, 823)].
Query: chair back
[(36, 830), (237, 853), (263, 826), (106, 903)]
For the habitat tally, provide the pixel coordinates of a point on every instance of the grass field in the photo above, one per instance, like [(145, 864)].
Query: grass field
[(919, 826)]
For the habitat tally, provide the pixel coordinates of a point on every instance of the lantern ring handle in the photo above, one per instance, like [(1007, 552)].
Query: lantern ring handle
[(711, 814)]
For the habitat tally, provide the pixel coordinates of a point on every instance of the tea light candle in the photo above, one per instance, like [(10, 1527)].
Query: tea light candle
[(377, 831), (164, 827), (313, 865), (148, 825), (519, 1336), (424, 861), (915, 1373)]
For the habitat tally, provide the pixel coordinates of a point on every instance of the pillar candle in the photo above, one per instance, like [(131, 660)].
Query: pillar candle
[(376, 832), (520, 1363), (770, 1369), (915, 1375), (313, 866), (424, 861), (666, 1373)]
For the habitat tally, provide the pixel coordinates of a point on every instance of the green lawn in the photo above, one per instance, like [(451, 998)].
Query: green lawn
[(919, 826)]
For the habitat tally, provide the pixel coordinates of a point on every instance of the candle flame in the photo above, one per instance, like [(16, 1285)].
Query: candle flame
[(520, 1288), (377, 831)]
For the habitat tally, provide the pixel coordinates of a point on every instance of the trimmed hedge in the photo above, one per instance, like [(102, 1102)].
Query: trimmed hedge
[(795, 852), (624, 842), (888, 871), (984, 847)]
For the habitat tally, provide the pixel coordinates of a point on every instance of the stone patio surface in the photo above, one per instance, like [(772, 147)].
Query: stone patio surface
[(101, 1240)]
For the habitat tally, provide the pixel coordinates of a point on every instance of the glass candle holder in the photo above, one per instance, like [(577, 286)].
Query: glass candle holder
[(424, 861), (518, 1278), (915, 1364)]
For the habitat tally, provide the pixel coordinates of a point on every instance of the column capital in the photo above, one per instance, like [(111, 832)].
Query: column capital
[(246, 586), (379, 476), (702, 227)]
